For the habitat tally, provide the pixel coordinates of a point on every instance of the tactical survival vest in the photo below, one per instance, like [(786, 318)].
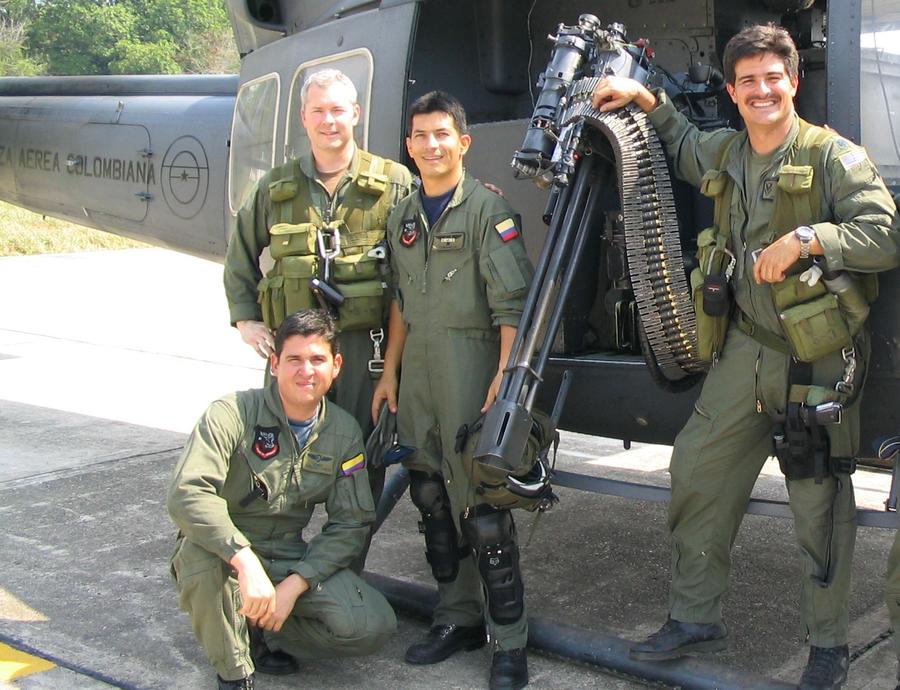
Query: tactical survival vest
[(303, 243), (815, 322)]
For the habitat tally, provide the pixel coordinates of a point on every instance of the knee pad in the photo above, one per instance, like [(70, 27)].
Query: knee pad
[(493, 534), (441, 539)]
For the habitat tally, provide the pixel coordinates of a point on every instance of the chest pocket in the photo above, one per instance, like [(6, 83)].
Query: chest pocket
[(292, 239), (255, 483), (317, 475)]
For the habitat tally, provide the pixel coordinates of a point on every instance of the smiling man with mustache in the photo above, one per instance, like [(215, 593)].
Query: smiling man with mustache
[(785, 191)]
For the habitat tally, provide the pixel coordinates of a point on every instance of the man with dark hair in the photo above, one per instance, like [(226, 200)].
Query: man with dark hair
[(250, 476), (460, 276), (785, 192)]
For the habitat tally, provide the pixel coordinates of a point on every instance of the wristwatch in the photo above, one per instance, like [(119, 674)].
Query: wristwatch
[(806, 235)]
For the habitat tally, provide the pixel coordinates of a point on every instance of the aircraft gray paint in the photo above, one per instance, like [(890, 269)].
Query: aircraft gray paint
[(169, 159)]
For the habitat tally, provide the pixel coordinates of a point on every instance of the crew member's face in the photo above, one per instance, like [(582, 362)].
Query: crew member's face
[(763, 91), (329, 116), (437, 147), (305, 371)]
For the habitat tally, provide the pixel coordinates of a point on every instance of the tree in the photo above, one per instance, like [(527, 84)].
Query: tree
[(130, 36), (79, 36), (13, 23), (135, 57)]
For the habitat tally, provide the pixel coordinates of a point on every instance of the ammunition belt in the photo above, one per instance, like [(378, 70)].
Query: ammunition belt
[(652, 242)]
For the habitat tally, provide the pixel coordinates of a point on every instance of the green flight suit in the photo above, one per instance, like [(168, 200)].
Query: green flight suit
[(892, 591), (354, 388), (456, 282), (892, 594), (243, 438), (721, 450)]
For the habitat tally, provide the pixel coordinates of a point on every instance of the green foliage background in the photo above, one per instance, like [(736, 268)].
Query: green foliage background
[(70, 37)]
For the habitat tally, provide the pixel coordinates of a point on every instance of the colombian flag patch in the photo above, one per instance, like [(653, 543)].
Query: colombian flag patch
[(354, 464), (507, 229)]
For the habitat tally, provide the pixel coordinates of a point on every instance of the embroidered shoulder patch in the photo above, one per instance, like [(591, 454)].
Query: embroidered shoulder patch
[(507, 229), (851, 159), (265, 445), (409, 232), (354, 464)]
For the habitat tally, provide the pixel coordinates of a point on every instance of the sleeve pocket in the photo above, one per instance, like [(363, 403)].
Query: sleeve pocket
[(507, 269)]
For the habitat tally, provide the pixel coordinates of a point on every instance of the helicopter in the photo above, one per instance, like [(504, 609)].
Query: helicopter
[(170, 159)]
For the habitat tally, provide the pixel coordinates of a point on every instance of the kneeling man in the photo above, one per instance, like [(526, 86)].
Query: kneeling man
[(248, 481)]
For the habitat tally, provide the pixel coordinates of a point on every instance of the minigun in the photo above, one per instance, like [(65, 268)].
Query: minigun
[(578, 51), (558, 152)]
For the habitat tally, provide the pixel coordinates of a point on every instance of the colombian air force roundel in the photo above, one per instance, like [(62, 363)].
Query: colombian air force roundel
[(265, 445), (409, 232)]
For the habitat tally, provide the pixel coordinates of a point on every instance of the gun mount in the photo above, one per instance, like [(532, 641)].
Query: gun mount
[(577, 150)]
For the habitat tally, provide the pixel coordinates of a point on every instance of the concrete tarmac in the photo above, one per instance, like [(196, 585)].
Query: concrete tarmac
[(106, 361)]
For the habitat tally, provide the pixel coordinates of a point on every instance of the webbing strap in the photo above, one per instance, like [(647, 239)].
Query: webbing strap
[(761, 335)]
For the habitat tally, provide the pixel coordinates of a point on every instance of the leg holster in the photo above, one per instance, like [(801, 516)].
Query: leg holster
[(799, 438), (801, 445), (441, 540), (492, 533)]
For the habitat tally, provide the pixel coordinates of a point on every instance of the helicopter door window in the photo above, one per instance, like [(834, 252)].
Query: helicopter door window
[(356, 64), (879, 98), (252, 136)]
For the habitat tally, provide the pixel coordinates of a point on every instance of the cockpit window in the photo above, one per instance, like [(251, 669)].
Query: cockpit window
[(879, 98), (252, 137), (356, 64)]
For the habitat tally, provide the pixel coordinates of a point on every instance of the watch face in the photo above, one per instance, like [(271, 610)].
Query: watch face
[(805, 233)]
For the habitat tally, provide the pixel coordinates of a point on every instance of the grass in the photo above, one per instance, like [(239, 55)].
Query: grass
[(24, 232)]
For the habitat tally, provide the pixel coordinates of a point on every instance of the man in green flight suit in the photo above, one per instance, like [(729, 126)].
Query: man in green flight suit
[(785, 192), (333, 201), (892, 590), (460, 276), (251, 474)]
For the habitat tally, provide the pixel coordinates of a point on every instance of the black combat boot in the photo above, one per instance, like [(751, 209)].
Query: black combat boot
[(509, 669), (826, 668), (675, 639), (241, 684), (444, 640), (273, 663)]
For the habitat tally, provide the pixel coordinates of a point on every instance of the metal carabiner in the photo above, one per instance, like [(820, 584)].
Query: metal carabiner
[(334, 239), (329, 252), (376, 364)]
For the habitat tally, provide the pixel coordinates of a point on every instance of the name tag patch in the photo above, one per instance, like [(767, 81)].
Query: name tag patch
[(444, 242)]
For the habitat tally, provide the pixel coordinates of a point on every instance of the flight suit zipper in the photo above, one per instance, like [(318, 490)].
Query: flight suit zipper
[(298, 452), (328, 213), (426, 242), (759, 406), (429, 235), (300, 455)]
